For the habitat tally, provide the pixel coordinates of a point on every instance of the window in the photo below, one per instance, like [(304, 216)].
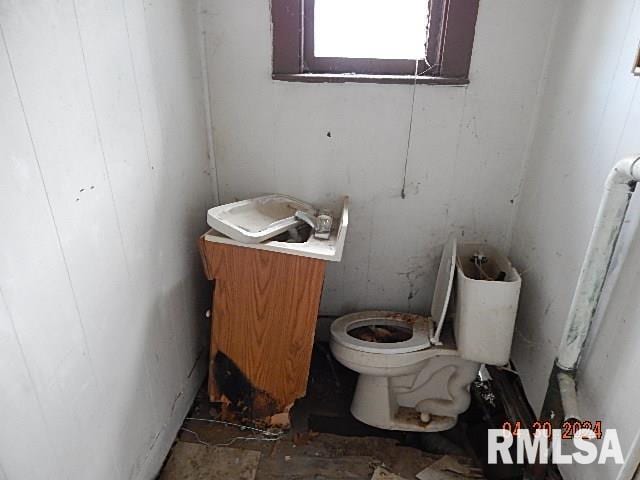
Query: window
[(393, 41)]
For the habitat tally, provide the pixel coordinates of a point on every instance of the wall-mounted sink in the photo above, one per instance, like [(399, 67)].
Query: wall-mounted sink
[(330, 250)]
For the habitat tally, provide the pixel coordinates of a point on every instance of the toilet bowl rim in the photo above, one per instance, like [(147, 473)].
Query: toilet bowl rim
[(421, 326)]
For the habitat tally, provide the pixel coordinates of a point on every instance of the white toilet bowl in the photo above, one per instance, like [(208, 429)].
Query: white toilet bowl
[(413, 374), (410, 384)]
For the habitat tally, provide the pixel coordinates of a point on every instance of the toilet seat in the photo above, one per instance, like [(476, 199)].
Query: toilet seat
[(421, 328)]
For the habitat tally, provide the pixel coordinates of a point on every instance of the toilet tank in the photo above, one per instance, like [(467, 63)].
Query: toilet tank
[(487, 292)]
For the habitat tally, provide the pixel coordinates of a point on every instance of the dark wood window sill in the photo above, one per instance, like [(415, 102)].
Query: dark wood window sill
[(361, 78)]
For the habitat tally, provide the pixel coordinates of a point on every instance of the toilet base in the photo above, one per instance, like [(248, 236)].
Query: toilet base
[(385, 412)]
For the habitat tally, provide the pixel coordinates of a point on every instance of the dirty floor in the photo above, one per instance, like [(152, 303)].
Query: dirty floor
[(324, 442), (325, 456)]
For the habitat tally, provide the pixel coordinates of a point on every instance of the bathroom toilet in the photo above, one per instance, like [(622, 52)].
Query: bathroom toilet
[(412, 375)]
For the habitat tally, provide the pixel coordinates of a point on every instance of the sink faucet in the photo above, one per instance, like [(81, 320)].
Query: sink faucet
[(321, 224)]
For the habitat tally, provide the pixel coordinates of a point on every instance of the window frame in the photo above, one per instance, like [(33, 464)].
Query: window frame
[(450, 36)]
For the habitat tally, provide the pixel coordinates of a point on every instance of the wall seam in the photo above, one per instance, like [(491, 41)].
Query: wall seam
[(3, 473), (145, 140), (171, 325), (138, 97), (636, 5), (208, 108), (33, 385), (186, 385), (454, 171), (611, 84), (105, 165), (534, 123), (50, 209), (99, 136)]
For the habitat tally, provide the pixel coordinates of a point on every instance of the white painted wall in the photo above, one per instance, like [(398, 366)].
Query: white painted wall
[(589, 118), (105, 179), (466, 149)]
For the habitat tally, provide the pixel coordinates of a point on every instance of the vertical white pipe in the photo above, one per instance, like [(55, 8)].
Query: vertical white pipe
[(594, 269), (613, 208), (568, 396)]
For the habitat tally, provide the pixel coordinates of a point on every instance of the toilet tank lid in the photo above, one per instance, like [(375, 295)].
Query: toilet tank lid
[(444, 284)]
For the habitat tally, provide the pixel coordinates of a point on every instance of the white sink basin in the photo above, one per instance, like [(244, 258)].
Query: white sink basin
[(257, 219), (330, 250)]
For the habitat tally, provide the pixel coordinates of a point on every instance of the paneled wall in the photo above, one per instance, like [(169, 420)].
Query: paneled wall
[(463, 152), (589, 118), (104, 180)]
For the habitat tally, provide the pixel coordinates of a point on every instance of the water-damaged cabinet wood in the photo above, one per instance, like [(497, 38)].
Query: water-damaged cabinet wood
[(265, 306)]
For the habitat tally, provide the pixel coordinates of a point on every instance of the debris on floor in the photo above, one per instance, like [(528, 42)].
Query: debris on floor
[(450, 468), (325, 441), (192, 461), (292, 455), (322, 456), (381, 473)]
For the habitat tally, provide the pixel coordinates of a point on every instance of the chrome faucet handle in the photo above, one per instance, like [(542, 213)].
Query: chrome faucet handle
[(321, 224), (324, 222)]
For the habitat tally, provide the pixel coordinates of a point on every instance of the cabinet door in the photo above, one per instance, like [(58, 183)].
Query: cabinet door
[(264, 316)]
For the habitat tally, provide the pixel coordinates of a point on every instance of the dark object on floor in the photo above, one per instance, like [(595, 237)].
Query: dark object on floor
[(501, 399), (552, 403)]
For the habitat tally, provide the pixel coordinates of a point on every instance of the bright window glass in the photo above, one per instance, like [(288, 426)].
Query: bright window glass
[(388, 29)]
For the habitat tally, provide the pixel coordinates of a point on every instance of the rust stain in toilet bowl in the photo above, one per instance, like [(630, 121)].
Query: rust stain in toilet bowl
[(409, 318)]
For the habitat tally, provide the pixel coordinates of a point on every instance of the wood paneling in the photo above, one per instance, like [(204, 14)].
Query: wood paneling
[(265, 308)]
